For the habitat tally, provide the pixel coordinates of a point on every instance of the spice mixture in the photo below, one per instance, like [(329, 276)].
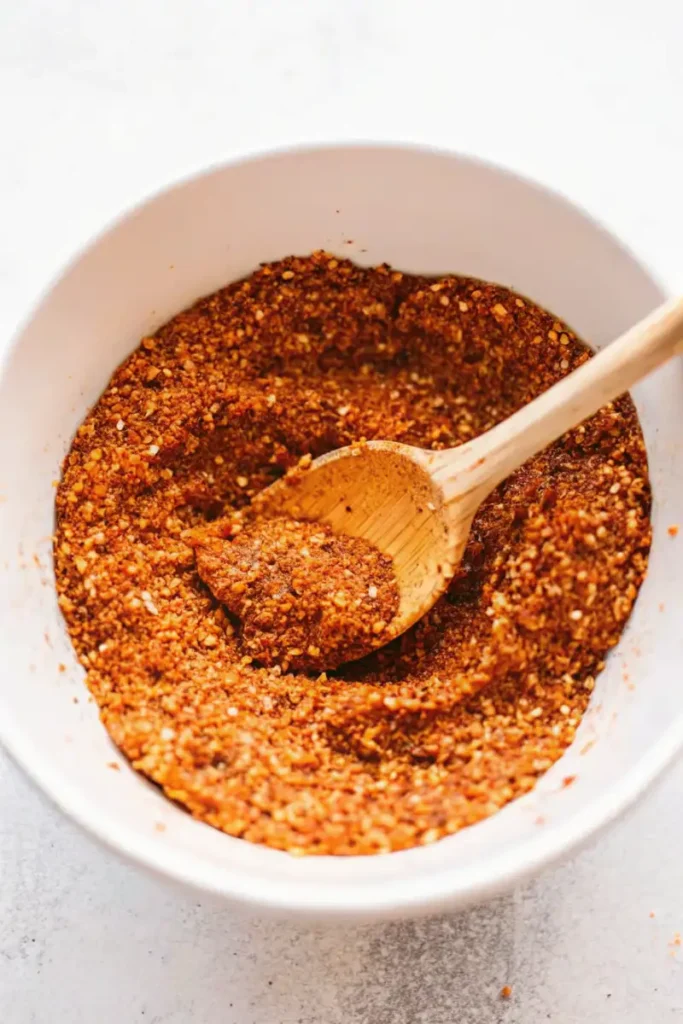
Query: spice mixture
[(307, 598), (447, 723)]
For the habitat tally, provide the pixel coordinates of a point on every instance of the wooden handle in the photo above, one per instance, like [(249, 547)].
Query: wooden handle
[(610, 373)]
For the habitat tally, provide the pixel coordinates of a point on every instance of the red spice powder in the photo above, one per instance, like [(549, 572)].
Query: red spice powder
[(443, 726)]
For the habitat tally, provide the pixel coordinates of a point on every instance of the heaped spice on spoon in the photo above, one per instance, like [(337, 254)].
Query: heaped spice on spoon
[(443, 726), (306, 598)]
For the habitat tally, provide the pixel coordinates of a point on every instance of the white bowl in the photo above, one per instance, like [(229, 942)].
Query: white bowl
[(422, 211)]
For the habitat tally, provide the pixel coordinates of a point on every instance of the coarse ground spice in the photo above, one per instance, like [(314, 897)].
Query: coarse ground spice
[(444, 725), (306, 598)]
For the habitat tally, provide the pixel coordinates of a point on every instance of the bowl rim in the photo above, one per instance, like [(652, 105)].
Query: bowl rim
[(457, 887)]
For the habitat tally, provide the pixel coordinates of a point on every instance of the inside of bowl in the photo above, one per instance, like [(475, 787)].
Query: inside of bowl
[(421, 211)]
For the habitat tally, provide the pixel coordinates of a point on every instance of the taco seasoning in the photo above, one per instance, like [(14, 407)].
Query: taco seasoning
[(213, 646)]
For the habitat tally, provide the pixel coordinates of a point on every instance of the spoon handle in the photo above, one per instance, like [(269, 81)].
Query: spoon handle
[(616, 368)]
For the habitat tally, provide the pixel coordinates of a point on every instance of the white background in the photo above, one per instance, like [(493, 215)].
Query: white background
[(102, 102)]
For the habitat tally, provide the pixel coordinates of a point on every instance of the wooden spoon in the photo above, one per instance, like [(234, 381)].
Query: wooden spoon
[(417, 506)]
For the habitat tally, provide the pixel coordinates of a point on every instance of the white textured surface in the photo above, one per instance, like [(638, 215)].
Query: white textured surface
[(101, 103)]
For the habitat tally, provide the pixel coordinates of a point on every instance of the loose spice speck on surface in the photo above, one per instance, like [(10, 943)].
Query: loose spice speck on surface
[(443, 726)]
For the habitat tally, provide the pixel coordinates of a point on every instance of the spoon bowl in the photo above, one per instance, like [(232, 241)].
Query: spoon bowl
[(392, 495)]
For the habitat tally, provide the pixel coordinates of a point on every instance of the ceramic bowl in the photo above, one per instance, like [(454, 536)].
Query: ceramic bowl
[(420, 210)]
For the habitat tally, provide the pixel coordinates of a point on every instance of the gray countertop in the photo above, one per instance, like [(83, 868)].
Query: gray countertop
[(103, 102)]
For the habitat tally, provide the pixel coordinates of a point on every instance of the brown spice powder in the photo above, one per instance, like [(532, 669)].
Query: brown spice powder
[(446, 724)]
